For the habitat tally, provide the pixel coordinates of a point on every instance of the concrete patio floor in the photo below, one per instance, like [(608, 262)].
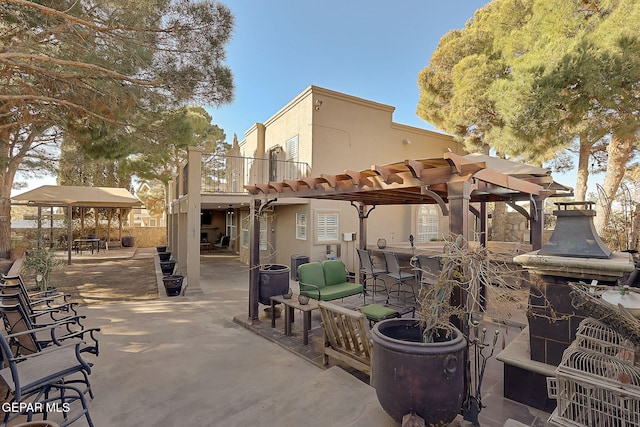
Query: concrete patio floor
[(182, 361)]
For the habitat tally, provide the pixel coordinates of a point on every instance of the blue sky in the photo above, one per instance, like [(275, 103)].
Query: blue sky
[(371, 49)]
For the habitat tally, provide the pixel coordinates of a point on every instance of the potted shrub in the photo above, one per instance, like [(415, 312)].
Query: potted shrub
[(420, 365), (41, 262)]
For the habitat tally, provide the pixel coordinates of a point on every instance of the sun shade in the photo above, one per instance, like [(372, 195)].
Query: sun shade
[(95, 197)]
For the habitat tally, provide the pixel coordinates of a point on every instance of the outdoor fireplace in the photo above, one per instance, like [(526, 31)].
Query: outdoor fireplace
[(574, 253)]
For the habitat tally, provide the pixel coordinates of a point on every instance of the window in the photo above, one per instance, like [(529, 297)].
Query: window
[(245, 228), (428, 223), (244, 231), (327, 226), (152, 222), (264, 238), (292, 147), (301, 226)]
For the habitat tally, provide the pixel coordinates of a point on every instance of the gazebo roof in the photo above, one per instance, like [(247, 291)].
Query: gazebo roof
[(94, 197), (424, 181)]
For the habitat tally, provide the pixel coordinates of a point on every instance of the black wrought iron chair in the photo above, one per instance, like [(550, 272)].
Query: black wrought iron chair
[(371, 273), (58, 375), (41, 313), (428, 269), (37, 300), (28, 337), (400, 292)]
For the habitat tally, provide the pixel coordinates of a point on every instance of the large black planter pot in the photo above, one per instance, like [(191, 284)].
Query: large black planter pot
[(172, 285), (128, 241), (164, 256), (274, 280), (167, 267), (412, 376)]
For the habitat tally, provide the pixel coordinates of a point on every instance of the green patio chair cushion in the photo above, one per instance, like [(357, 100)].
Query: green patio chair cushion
[(311, 273), (334, 272), (329, 293), (377, 312)]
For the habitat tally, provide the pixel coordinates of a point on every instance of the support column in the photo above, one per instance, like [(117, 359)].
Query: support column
[(69, 233), (192, 256), (459, 194), (536, 227), (254, 262), (483, 224), (362, 228)]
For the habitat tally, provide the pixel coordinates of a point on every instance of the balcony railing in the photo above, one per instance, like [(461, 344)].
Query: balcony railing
[(229, 174)]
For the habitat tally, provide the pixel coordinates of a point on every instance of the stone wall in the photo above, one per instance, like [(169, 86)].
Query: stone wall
[(513, 227)]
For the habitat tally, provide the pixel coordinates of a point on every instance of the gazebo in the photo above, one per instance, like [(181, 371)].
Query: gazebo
[(77, 196), (458, 184)]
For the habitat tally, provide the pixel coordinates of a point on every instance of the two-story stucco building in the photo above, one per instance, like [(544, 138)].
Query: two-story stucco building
[(319, 131)]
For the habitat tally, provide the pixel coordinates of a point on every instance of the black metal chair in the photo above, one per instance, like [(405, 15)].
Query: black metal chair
[(58, 375), (371, 273), (37, 300), (428, 269), (28, 337), (41, 309), (400, 292)]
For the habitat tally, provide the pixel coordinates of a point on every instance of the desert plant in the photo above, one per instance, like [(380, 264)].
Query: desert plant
[(41, 262), (469, 278), (464, 271)]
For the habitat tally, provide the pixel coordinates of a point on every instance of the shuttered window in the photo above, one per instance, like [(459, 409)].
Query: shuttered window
[(327, 227)]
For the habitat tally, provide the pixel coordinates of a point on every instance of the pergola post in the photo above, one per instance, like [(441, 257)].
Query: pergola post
[(536, 229), (254, 262), (363, 214), (483, 224), (459, 195), (69, 233)]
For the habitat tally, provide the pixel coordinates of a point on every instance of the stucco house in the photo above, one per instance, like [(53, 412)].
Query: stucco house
[(319, 131)]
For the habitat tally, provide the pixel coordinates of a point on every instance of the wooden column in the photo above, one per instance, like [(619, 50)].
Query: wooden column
[(536, 226), (459, 194), (483, 224), (69, 233)]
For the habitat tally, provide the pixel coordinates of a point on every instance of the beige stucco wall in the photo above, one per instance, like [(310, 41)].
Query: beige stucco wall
[(338, 132)]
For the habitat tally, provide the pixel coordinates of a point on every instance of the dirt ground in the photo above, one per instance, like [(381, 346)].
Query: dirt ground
[(91, 282)]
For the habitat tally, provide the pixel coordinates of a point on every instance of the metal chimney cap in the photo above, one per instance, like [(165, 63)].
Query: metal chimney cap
[(575, 234)]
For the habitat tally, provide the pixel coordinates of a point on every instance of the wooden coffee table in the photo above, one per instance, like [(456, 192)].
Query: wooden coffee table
[(290, 304)]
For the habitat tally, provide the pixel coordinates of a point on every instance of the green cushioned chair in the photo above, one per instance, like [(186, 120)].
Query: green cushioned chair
[(326, 281)]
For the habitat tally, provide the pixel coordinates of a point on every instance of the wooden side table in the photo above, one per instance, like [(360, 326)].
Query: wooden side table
[(289, 305)]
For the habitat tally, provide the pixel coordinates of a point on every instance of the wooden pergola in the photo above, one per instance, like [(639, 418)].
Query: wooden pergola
[(458, 184)]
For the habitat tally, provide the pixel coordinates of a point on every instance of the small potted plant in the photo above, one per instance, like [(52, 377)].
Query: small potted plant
[(41, 262)]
